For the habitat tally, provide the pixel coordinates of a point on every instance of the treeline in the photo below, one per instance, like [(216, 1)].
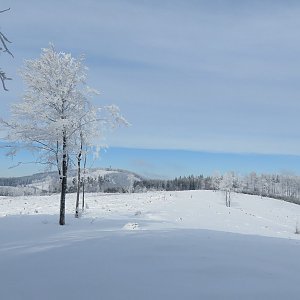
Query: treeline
[(100, 184), (16, 181), (281, 186), (19, 191), (177, 184), (24, 180), (116, 181)]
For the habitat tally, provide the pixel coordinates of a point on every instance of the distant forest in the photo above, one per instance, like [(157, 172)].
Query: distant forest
[(280, 186), (283, 186)]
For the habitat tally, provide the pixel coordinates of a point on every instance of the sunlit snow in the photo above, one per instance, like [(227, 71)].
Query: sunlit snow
[(160, 245)]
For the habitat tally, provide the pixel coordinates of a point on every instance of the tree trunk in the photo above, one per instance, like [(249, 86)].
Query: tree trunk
[(83, 195), (78, 185), (83, 182), (63, 182)]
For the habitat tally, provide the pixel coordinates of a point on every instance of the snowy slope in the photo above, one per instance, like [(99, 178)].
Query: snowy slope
[(162, 245), (170, 210), (49, 181)]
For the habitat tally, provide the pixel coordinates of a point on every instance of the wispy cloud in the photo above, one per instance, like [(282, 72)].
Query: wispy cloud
[(202, 75)]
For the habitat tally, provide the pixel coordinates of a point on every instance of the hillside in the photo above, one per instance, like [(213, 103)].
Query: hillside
[(98, 180), (160, 245)]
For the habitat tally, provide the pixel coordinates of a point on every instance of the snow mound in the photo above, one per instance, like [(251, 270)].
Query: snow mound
[(131, 226)]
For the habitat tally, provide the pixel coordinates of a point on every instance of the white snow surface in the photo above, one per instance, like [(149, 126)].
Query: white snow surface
[(160, 245)]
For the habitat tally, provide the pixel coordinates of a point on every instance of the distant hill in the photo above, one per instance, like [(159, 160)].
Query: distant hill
[(97, 180)]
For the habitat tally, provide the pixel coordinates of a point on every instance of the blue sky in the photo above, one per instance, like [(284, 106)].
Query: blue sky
[(213, 81), (168, 163), (165, 163)]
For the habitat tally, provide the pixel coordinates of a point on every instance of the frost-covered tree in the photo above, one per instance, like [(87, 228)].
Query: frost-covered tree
[(91, 127), (4, 48), (216, 180), (47, 119), (85, 133), (226, 185)]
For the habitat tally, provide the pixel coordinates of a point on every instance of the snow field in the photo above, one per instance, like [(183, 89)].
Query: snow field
[(170, 210), (161, 245)]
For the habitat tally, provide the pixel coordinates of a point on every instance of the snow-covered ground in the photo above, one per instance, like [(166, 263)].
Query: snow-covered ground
[(161, 245)]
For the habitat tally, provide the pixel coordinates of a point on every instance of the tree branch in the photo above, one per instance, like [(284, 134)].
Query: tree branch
[(1, 11), (3, 78), (4, 48)]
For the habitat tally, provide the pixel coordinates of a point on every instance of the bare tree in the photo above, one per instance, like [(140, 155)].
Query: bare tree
[(4, 48)]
